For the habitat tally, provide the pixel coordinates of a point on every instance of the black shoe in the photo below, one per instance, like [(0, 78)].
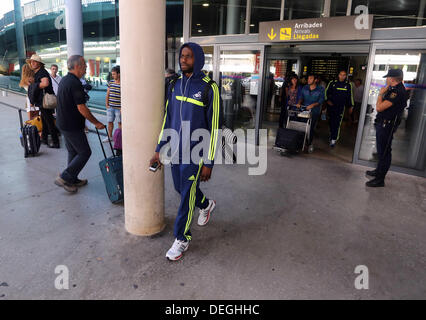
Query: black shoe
[(55, 146), (371, 173), (375, 183)]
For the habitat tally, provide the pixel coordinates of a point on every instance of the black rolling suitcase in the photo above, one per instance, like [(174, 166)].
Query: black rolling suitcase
[(288, 139), (30, 138)]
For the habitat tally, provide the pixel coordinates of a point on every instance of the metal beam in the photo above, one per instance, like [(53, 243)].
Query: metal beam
[(187, 22), (349, 8), (282, 9), (248, 17)]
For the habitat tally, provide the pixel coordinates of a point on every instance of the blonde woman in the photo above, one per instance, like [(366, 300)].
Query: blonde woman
[(26, 79)]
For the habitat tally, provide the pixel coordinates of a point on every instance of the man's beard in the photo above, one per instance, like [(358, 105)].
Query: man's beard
[(188, 71)]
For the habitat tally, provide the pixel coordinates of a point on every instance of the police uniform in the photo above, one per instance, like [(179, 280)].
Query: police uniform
[(341, 95), (386, 124)]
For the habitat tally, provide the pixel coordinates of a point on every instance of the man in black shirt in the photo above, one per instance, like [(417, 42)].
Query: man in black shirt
[(390, 104), (71, 114), (44, 84)]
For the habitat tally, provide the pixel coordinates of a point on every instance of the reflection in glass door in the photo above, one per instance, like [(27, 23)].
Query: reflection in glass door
[(239, 83), (275, 91), (409, 145)]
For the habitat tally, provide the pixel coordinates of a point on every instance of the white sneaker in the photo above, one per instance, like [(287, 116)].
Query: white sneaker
[(205, 214), (106, 140), (177, 250), (311, 148), (333, 143)]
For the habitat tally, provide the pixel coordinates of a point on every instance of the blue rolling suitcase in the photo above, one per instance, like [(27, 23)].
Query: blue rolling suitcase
[(112, 172)]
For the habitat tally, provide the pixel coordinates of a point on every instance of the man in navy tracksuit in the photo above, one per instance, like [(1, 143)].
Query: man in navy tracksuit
[(338, 94), (193, 99)]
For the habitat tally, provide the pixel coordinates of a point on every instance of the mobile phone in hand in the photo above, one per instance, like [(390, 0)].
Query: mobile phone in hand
[(154, 167)]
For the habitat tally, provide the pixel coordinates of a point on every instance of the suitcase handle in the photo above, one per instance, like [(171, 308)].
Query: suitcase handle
[(20, 119), (102, 146)]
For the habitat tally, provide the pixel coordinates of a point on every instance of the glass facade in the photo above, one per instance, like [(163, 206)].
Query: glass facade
[(338, 8), (208, 65), (45, 34), (301, 9), (391, 14), (264, 10), (218, 17), (409, 144), (223, 17)]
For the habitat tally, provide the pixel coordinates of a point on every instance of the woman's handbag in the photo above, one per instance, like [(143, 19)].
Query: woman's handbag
[(49, 101)]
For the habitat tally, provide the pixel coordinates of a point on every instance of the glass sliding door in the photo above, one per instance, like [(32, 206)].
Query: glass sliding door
[(409, 144), (239, 83), (274, 91)]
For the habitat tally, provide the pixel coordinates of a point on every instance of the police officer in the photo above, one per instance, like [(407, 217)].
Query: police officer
[(338, 94), (390, 104)]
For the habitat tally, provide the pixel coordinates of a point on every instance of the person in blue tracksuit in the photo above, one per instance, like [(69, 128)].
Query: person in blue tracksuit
[(194, 101), (338, 94)]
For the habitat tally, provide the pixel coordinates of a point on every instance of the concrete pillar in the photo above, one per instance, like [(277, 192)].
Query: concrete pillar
[(142, 47), (19, 30), (74, 24)]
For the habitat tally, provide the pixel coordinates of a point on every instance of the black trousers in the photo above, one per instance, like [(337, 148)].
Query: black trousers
[(283, 117), (48, 125), (335, 114), (384, 138), (79, 153)]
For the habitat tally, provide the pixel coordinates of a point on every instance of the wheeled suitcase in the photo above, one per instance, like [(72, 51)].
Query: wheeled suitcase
[(112, 173), (289, 139), (30, 139)]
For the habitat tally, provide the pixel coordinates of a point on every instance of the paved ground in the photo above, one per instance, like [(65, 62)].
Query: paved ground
[(297, 232)]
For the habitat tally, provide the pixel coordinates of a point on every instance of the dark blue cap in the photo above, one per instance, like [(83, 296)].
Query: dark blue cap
[(394, 73)]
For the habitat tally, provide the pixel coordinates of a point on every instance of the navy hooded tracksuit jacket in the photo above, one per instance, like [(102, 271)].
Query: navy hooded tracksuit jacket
[(341, 95), (184, 104)]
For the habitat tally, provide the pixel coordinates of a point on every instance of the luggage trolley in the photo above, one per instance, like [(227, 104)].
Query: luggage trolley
[(300, 120)]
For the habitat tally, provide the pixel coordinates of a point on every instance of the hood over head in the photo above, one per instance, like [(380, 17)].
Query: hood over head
[(199, 58)]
